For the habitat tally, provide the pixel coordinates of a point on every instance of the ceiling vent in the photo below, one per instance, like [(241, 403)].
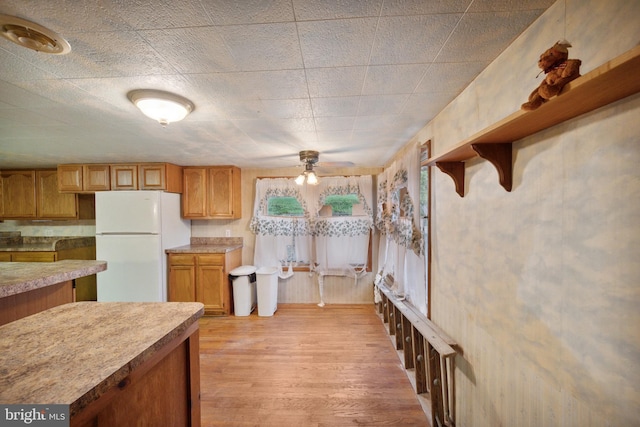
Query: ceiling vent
[(32, 36)]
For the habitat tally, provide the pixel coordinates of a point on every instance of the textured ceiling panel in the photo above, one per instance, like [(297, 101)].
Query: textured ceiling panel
[(353, 79)]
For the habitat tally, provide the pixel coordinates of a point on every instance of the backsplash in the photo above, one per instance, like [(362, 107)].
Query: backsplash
[(84, 227)]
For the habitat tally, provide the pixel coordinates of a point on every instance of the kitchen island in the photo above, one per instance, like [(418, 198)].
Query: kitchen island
[(30, 287), (138, 366)]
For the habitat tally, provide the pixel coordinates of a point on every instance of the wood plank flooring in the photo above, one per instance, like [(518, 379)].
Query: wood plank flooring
[(305, 366)]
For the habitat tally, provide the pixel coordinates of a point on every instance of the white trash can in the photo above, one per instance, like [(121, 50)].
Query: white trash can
[(244, 289), (267, 283)]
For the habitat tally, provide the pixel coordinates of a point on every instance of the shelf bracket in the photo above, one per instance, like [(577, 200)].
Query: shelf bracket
[(456, 171), (500, 156)]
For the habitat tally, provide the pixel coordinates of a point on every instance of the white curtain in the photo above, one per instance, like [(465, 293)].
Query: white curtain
[(330, 245), (280, 241), (342, 243), (401, 251)]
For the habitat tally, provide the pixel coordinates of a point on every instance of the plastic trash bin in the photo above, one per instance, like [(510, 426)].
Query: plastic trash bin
[(244, 289), (267, 290)]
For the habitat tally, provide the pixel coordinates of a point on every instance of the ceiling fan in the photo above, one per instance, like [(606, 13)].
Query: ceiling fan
[(309, 159)]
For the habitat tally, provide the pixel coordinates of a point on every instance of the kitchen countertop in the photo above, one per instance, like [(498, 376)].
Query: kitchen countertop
[(44, 244), (19, 277), (49, 358), (209, 245)]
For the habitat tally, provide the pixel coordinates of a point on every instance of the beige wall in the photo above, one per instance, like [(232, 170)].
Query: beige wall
[(302, 287), (541, 286)]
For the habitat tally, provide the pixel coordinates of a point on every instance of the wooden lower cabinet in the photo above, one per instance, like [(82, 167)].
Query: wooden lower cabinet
[(85, 287), (197, 277)]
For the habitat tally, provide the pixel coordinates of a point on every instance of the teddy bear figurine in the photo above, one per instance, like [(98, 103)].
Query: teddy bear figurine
[(558, 69)]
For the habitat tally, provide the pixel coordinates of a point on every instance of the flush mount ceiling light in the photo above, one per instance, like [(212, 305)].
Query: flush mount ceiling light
[(164, 107), (309, 158), (32, 36)]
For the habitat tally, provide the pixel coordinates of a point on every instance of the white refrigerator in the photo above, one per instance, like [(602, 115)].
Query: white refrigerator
[(133, 229)]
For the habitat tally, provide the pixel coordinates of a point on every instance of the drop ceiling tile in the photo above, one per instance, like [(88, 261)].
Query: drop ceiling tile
[(106, 54), (388, 79), (229, 12), (336, 43), (287, 108), (17, 96), (381, 105), (287, 84), (142, 15), (307, 10), (63, 16), (450, 77), (20, 69), (411, 39), (22, 117), (336, 81), (422, 7), (262, 46), (332, 138), (483, 36), (328, 124), (509, 5), (191, 50), (335, 107)]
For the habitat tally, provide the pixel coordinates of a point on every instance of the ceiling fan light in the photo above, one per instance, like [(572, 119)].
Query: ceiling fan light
[(300, 179), (164, 107), (312, 178)]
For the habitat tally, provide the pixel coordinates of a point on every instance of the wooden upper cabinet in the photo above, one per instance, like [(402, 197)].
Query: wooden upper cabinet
[(96, 177), (50, 202), (83, 178), (33, 194), (160, 176), (124, 177), (223, 195), (18, 194), (89, 178), (211, 192), (194, 193)]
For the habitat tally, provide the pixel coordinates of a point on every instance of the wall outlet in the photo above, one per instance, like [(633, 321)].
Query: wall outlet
[(48, 232), (227, 233)]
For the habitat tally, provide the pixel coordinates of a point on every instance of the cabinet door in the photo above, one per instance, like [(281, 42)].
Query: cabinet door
[(152, 176), (211, 289), (194, 194), (18, 194), (70, 178), (5, 256), (182, 278), (96, 178), (51, 203), (212, 285), (223, 197), (124, 177)]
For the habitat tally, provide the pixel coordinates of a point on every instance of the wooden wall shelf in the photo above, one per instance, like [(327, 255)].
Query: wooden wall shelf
[(608, 83)]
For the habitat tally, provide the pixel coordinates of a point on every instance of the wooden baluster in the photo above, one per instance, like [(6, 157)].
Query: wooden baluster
[(408, 343), (435, 380)]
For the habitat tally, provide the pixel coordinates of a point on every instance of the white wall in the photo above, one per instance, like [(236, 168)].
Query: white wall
[(541, 286)]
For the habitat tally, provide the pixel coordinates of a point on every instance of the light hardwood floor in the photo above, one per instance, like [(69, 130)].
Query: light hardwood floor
[(305, 366)]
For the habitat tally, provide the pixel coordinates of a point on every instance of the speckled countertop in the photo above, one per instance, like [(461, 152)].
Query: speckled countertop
[(74, 353), (43, 244), (209, 245), (19, 277)]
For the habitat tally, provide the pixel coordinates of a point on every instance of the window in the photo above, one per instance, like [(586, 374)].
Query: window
[(284, 206), (341, 205)]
